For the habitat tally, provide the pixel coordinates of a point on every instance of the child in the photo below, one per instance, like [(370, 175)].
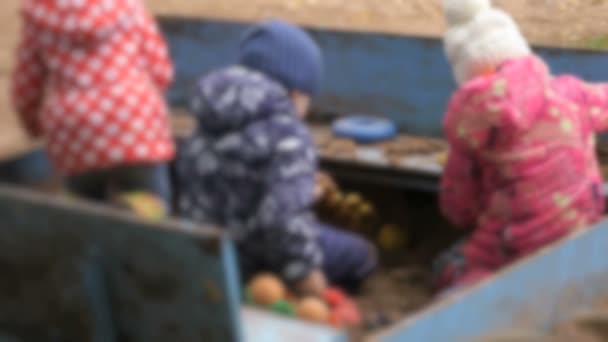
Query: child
[(522, 168), (89, 78), (251, 164)]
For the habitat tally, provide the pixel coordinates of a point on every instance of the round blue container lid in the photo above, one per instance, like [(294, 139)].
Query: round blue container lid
[(365, 129)]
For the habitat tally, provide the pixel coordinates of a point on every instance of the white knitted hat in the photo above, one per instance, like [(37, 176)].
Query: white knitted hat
[(479, 37)]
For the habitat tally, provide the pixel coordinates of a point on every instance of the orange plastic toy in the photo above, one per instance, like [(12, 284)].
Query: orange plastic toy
[(266, 289), (313, 309)]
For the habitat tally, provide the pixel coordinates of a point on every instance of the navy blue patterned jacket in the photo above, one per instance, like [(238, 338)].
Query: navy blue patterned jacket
[(250, 167)]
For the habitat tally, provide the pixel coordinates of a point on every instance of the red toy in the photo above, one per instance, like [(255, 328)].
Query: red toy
[(344, 311)]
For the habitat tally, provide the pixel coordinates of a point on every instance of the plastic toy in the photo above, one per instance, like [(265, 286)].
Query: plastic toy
[(266, 290), (391, 238), (344, 311), (365, 129), (442, 158), (349, 210), (145, 205), (283, 307), (313, 309), (353, 200), (332, 200), (333, 308)]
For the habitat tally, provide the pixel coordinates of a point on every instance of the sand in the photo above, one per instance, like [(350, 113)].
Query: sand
[(569, 23), (403, 284), (13, 139)]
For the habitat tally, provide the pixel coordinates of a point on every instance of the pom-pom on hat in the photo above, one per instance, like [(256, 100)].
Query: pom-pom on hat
[(480, 38)]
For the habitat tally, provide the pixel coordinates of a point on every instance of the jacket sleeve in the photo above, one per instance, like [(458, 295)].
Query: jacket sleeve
[(28, 81), (465, 132), (155, 58), (285, 212), (460, 189), (592, 99)]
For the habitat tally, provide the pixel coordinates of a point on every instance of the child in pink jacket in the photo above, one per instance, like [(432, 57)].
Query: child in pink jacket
[(522, 170), (89, 78)]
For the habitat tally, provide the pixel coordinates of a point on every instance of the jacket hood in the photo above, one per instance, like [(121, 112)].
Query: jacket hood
[(507, 99), (232, 98), (80, 20)]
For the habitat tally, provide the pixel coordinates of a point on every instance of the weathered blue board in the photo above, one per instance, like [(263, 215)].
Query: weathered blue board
[(76, 272), (164, 282), (404, 78), (260, 327), (534, 294)]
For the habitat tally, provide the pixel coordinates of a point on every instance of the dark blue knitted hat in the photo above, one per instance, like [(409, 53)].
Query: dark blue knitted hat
[(285, 53)]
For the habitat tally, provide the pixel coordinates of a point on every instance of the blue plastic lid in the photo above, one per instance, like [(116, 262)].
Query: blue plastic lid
[(365, 129)]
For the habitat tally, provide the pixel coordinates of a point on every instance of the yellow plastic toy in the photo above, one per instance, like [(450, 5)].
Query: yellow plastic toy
[(442, 158), (392, 238), (145, 205)]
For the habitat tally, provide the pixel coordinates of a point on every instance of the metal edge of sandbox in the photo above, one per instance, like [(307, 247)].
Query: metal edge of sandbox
[(534, 295)]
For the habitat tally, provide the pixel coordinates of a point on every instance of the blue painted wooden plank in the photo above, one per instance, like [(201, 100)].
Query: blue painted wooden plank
[(264, 327), (377, 74), (534, 294), (167, 282), (96, 293), (404, 78)]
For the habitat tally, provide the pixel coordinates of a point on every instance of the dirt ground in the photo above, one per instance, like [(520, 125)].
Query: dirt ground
[(390, 296), (572, 23), (585, 326), (402, 152), (602, 152), (403, 284), (13, 139)]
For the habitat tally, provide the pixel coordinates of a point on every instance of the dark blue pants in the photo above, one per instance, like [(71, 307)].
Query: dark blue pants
[(99, 185), (31, 169), (348, 258)]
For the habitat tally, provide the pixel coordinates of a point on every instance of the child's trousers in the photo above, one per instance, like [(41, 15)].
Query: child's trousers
[(101, 185), (32, 170), (347, 258)]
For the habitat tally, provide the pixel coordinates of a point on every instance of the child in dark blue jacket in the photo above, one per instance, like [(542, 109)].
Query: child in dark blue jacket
[(251, 165)]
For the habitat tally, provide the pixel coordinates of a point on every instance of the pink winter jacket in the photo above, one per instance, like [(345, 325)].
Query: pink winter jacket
[(522, 167)]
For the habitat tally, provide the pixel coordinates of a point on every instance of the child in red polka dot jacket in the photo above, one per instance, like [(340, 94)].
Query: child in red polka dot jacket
[(89, 79), (522, 170)]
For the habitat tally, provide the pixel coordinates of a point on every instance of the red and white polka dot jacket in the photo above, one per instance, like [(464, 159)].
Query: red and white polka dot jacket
[(89, 77)]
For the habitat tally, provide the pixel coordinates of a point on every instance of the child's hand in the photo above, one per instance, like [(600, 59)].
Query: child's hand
[(324, 184), (314, 284)]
